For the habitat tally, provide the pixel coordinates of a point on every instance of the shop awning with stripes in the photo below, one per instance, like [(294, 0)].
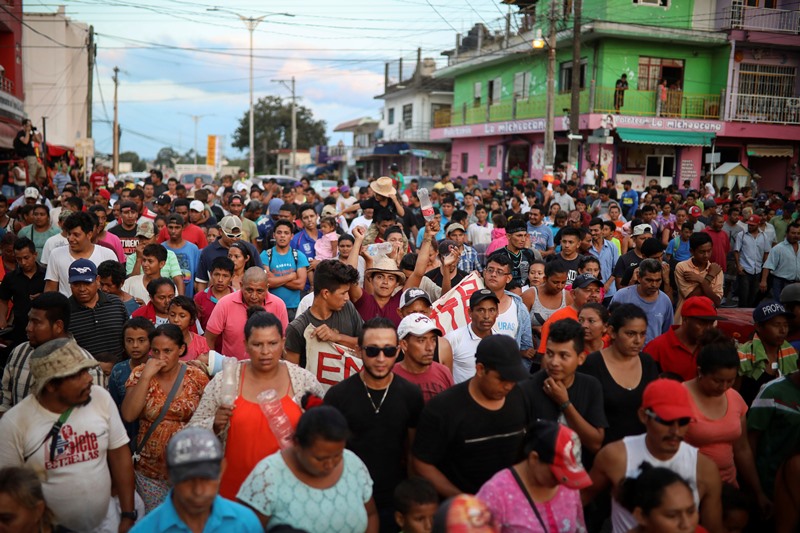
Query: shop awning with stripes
[(669, 138)]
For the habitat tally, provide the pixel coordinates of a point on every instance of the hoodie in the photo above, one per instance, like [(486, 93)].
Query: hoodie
[(499, 240)]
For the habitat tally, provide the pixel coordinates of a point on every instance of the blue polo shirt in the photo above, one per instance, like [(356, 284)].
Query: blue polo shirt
[(302, 242), (226, 516)]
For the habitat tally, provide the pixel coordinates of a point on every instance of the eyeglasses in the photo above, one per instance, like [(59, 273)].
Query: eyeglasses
[(375, 351), (496, 272), (682, 422)]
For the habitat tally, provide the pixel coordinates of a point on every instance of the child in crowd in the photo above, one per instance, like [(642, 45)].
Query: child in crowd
[(154, 257), (219, 286), (327, 246), (415, 503), (183, 313)]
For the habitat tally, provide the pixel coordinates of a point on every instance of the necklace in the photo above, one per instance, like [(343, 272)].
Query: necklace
[(377, 408)]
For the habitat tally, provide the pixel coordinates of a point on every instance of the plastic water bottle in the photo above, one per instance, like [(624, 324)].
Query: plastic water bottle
[(230, 388), (425, 204), (270, 404), (383, 248)]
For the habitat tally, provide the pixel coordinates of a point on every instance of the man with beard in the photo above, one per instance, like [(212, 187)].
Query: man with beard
[(70, 430), (419, 336), (382, 425)]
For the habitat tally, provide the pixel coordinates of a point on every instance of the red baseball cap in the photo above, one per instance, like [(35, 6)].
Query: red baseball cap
[(560, 448), (668, 399), (700, 307), (695, 211), (754, 220), (104, 193)]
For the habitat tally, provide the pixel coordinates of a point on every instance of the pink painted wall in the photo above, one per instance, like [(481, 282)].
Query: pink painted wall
[(690, 165)]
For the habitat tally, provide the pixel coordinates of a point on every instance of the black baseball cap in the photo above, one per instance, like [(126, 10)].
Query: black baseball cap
[(481, 295), (163, 199), (501, 353), (584, 280)]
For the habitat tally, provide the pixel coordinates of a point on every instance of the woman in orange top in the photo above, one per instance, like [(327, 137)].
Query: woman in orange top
[(242, 427)]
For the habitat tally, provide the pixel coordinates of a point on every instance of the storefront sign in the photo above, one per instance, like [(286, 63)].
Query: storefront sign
[(11, 107), (669, 123), (688, 171), (492, 128)]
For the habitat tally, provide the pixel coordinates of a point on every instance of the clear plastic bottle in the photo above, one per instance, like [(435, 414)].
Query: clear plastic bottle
[(383, 248), (425, 204), (270, 404), (230, 388)]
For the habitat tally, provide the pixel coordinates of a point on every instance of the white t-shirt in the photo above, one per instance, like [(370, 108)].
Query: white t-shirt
[(464, 343), (60, 259), (481, 235), (134, 286), (77, 484), (56, 241), (589, 177), (360, 221), (343, 203), (507, 323)]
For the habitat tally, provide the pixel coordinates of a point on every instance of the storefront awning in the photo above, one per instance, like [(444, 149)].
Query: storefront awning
[(670, 138), (8, 133), (760, 150)]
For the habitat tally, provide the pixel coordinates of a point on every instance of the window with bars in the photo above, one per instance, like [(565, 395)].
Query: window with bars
[(408, 112), (651, 71), (767, 80), (522, 85), (565, 76)]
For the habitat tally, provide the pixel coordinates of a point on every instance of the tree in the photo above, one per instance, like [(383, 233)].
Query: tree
[(272, 124), (167, 157), (137, 164)]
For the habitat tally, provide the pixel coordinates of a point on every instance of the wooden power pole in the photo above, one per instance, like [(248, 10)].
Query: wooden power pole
[(115, 164), (575, 102)]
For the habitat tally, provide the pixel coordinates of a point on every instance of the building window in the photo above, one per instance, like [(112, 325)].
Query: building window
[(767, 80), (390, 120), (408, 111), (476, 94), (654, 69), (657, 3), (493, 156), (495, 91), (565, 76), (522, 85), (465, 162), (660, 166)]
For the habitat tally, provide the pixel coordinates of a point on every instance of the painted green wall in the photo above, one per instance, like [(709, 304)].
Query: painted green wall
[(677, 15)]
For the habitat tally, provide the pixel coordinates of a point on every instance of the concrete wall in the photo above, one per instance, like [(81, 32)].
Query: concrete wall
[(55, 77)]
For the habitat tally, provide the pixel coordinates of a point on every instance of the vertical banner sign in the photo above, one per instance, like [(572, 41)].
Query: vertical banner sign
[(212, 152), (451, 310), (329, 362)]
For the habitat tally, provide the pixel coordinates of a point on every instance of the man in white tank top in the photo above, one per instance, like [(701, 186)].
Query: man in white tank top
[(666, 412)]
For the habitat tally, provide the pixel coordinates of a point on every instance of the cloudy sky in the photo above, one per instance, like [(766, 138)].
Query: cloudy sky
[(178, 58)]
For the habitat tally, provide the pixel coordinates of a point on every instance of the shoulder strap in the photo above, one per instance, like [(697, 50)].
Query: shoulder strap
[(528, 496), (269, 257), (173, 391)]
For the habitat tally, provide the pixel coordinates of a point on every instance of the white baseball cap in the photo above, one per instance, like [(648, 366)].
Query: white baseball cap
[(416, 324), (197, 205), (32, 192)]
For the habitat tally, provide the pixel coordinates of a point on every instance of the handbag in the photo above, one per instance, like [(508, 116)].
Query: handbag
[(171, 396)]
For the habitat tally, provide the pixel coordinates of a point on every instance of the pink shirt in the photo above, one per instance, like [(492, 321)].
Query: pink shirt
[(113, 243), (229, 316), (715, 438), (323, 248), (513, 513), (436, 379), (196, 348), (368, 307)]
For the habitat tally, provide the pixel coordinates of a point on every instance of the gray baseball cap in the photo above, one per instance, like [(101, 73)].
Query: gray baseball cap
[(791, 294), (194, 453)]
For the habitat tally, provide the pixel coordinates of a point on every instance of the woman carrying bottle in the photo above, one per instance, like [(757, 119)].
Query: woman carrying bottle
[(242, 427)]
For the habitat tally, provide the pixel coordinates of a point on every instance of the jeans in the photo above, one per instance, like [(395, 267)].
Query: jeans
[(777, 286), (748, 289)]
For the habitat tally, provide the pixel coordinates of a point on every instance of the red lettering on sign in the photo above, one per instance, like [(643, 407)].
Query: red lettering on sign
[(322, 369), (351, 367)]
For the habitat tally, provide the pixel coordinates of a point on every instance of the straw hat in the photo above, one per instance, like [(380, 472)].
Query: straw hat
[(383, 186), (387, 265), (58, 358)]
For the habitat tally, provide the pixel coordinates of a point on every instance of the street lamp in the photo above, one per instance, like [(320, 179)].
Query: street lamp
[(250, 23)]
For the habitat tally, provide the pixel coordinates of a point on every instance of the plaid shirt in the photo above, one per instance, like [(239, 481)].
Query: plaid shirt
[(469, 260), (17, 378)]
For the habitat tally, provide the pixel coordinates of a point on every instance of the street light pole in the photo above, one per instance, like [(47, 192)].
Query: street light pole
[(549, 131)]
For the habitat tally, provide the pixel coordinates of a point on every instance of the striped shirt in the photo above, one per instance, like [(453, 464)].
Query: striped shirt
[(98, 329), (17, 379)]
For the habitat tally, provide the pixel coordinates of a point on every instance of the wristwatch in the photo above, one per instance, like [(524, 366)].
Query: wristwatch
[(133, 515)]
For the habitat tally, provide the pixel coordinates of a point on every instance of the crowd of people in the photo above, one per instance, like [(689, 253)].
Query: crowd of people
[(532, 356)]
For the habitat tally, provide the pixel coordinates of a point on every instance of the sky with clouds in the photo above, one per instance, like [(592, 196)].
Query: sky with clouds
[(179, 58)]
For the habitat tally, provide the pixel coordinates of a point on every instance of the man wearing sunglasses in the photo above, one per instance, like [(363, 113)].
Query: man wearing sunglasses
[(666, 412), (382, 410)]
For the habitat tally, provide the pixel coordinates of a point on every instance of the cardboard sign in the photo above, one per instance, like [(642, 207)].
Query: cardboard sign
[(329, 362), (451, 310)]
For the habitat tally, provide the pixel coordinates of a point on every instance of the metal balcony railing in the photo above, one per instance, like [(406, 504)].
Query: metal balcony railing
[(756, 108), (760, 19), (6, 85), (645, 103)]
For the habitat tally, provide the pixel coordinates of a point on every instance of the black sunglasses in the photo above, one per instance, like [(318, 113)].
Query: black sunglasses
[(682, 422), (375, 351)]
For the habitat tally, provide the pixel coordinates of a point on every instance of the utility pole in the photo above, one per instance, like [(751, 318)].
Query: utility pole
[(115, 163), (549, 134), (90, 49), (286, 83), (575, 103)]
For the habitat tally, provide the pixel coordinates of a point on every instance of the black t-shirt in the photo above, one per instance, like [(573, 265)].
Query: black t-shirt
[(435, 275), (127, 237), (413, 218), (376, 206), (628, 261), (379, 438), (520, 263), (22, 149), (19, 288), (584, 393), (570, 264), (467, 442), (620, 404)]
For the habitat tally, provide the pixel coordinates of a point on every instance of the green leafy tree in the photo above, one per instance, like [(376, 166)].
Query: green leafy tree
[(167, 157), (272, 124), (137, 164)]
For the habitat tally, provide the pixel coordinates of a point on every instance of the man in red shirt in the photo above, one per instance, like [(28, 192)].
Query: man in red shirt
[(720, 241), (99, 177), (676, 350), (191, 232)]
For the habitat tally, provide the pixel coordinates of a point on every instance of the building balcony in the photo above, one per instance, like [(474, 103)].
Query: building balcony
[(759, 109), (513, 109), (6, 85), (760, 19), (644, 104)]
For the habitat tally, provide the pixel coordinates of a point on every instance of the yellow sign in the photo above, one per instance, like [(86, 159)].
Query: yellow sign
[(212, 152)]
